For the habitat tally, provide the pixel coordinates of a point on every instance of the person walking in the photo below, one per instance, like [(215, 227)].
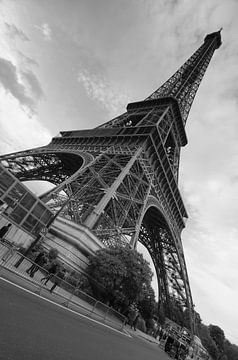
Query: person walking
[(39, 261), (168, 344), (130, 316), (133, 312), (135, 321), (58, 279), (4, 230), (51, 271)]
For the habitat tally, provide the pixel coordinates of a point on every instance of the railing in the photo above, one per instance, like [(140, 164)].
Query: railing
[(63, 292)]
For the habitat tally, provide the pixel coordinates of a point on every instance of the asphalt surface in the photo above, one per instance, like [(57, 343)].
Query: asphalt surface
[(33, 328)]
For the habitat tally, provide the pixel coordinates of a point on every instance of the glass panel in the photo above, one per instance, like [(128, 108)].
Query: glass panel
[(38, 210), (46, 217), (27, 227), (5, 181), (3, 206), (18, 214), (17, 192), (9, 201), (28, 201), (29, 223), (37, 229)]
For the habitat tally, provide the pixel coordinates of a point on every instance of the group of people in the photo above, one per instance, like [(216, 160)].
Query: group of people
[(133, 317), (175, 349), (172, 346), (39, 261), (55, 273)]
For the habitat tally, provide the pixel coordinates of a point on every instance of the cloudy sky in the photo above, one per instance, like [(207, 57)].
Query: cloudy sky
[(67, 64)]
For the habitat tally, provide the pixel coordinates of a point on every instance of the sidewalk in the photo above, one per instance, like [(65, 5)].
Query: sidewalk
[(82, 303), (79, 305), (90, 308), (141, 334)]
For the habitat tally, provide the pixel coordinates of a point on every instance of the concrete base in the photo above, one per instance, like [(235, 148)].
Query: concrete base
[(73, 241)]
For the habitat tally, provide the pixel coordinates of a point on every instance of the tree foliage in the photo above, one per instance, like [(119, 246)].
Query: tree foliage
[(147, 304), (53, 253), (178, 314), (124, 275), (120, 276), (208, 341), (218, 336), (215, 342), (231, 350)]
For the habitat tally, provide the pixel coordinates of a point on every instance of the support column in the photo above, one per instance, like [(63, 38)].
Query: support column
[(135, 236), (110, 192)]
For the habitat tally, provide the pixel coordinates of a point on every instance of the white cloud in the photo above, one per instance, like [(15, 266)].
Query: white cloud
[(143, 45), (33, 84), (20, 92), (13, 32), (104, 92), (10, 80), (19, 130), (45, 31), (26, 61)]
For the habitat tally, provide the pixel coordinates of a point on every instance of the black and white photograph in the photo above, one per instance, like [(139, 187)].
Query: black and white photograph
[(118, 179)]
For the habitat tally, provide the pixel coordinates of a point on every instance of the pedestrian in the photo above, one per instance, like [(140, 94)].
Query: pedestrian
[(161, 333), (4, 230), (58, 279), (168, 344), (135, 321), (39, 261), (51, 271), (131, 316), (183, 352)]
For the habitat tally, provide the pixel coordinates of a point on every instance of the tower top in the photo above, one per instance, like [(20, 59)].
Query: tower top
[(216, 36), (184, 83)]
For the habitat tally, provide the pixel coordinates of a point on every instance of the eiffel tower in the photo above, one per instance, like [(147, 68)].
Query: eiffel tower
[(120, 180)]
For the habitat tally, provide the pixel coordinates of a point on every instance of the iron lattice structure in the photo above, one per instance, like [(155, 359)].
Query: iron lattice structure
[(121, 178)]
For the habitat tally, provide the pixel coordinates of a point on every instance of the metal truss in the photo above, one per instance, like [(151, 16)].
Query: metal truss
[(95, 184), (170, 267), (120, 179), (51, 167), (184, 84)]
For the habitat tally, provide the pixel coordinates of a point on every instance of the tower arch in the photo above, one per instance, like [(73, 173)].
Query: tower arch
[(112, 174), (157, 236), (45, 164)]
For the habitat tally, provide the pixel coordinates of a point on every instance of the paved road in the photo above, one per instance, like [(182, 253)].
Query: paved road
[(32, 328)]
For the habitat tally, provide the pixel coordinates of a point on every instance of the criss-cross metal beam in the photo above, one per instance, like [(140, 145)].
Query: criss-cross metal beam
[(121, 178)]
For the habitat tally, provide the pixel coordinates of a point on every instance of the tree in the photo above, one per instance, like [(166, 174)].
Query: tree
[(161, 313), (218, 336), (147, 305), (231, 350), (208, 341), (53, 253), (123, 274), (214, 340), (197, 322), (177, 313)]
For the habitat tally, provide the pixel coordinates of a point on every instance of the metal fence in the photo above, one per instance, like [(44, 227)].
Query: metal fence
[(57, 288)]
